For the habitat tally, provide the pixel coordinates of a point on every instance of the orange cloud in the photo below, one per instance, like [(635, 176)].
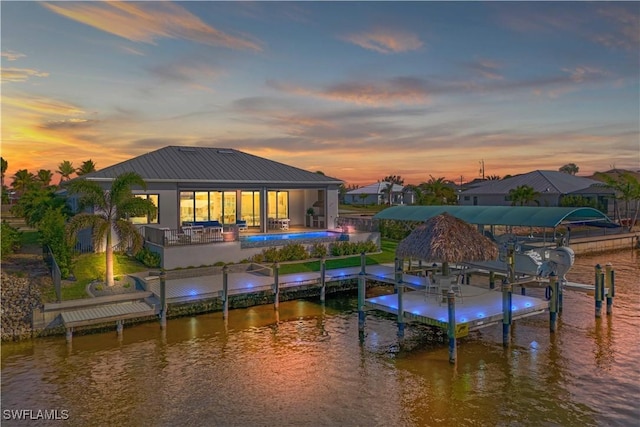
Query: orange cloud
[(19, 74), (404, 90), (42, 105), (385, 41), (148, 21)]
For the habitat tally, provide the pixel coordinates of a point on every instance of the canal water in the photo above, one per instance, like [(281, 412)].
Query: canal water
[(305, 366)]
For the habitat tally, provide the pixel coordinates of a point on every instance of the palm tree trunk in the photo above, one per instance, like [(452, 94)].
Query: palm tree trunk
[(109, 255)]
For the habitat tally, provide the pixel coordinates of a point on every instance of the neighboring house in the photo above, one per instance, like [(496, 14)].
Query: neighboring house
[(551, 186), (206, 184), (375, 194)]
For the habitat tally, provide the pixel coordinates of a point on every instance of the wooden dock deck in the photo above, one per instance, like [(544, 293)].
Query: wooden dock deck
[(477, 308)]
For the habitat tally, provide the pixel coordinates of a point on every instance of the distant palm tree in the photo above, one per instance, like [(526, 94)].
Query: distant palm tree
[(394, 179), (111, 210), (86, 167), (522, 195), (65, 169), (22, 180), (493, 178), (5, 165), (44, 177)]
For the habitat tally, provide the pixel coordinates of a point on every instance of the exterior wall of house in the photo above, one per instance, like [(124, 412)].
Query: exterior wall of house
[(355, 199), (332, 207)]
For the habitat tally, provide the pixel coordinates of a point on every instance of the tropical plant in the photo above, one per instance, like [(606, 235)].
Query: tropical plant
[(34, 204), (627, 188), (111, 210), (10, 241), (44, 177), (394, 179), (65, 169), (363, 197), (4, 165), (52, 228), (86, 167), (523, 195), (22, 180), (570, 168), (493, 178)]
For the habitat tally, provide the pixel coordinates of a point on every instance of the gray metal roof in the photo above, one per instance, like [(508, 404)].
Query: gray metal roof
[(376, 188), (206, 164), (544, 182), (497, 215)]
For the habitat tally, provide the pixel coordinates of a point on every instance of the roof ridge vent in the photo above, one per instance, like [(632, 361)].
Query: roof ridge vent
[(187, 149), (225, 151)]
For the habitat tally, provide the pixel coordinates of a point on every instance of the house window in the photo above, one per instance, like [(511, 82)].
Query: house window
[(208, 206), (250, 207), (147, 219), (278, 204), (467, 198)]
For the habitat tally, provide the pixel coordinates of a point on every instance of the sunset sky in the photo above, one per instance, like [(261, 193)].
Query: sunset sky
[(356, 90)]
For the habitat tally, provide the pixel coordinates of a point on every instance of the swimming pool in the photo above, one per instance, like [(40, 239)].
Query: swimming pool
[(290, 236)]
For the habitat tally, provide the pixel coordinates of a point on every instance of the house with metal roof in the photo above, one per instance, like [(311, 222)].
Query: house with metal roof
[(198, 184), (550, 187), (376, 194)]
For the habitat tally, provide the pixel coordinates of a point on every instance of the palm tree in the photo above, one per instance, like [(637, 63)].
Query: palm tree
[(111, 210), (44, 177), (394, 179), (65, 169), (5, 165), (493, 178), (22, 180), (439, 190), (523, 194), (86, 167)]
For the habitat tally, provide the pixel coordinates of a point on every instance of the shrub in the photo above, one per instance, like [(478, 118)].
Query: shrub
[(352, 248), (318, 250), (10, 239), (219, 264), (148, 258), (290, 252), (53, 232)]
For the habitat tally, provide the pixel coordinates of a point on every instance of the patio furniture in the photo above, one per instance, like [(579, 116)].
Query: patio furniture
[(242, 225)]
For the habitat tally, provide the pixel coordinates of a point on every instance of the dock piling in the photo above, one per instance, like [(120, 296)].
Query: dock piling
[(553, 302), (398, 273), (225, 292), (119, 327), (69, 334), (276, 285), (610, 284), (361, 296), (451, 326), (599, 290), (163, 299), (400, 287), (363, 263), (492, 280), (506, 312), (323, 278)]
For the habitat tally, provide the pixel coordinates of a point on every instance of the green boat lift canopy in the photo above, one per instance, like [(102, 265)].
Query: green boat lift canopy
[(499, 215)]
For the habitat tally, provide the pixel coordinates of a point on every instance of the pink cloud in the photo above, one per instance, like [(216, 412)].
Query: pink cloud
[(148, 21), (385, 41)]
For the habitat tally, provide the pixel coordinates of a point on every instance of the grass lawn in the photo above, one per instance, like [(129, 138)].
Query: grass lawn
[(90, 267), (387, 255), (29, 238)]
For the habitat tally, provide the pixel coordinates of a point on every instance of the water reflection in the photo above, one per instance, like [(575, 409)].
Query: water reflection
[(307, 364)]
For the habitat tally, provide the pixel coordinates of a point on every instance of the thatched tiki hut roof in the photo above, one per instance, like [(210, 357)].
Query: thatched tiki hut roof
[(445, 238)]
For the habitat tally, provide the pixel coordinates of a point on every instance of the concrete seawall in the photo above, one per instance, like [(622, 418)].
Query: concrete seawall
[(585, 245)]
